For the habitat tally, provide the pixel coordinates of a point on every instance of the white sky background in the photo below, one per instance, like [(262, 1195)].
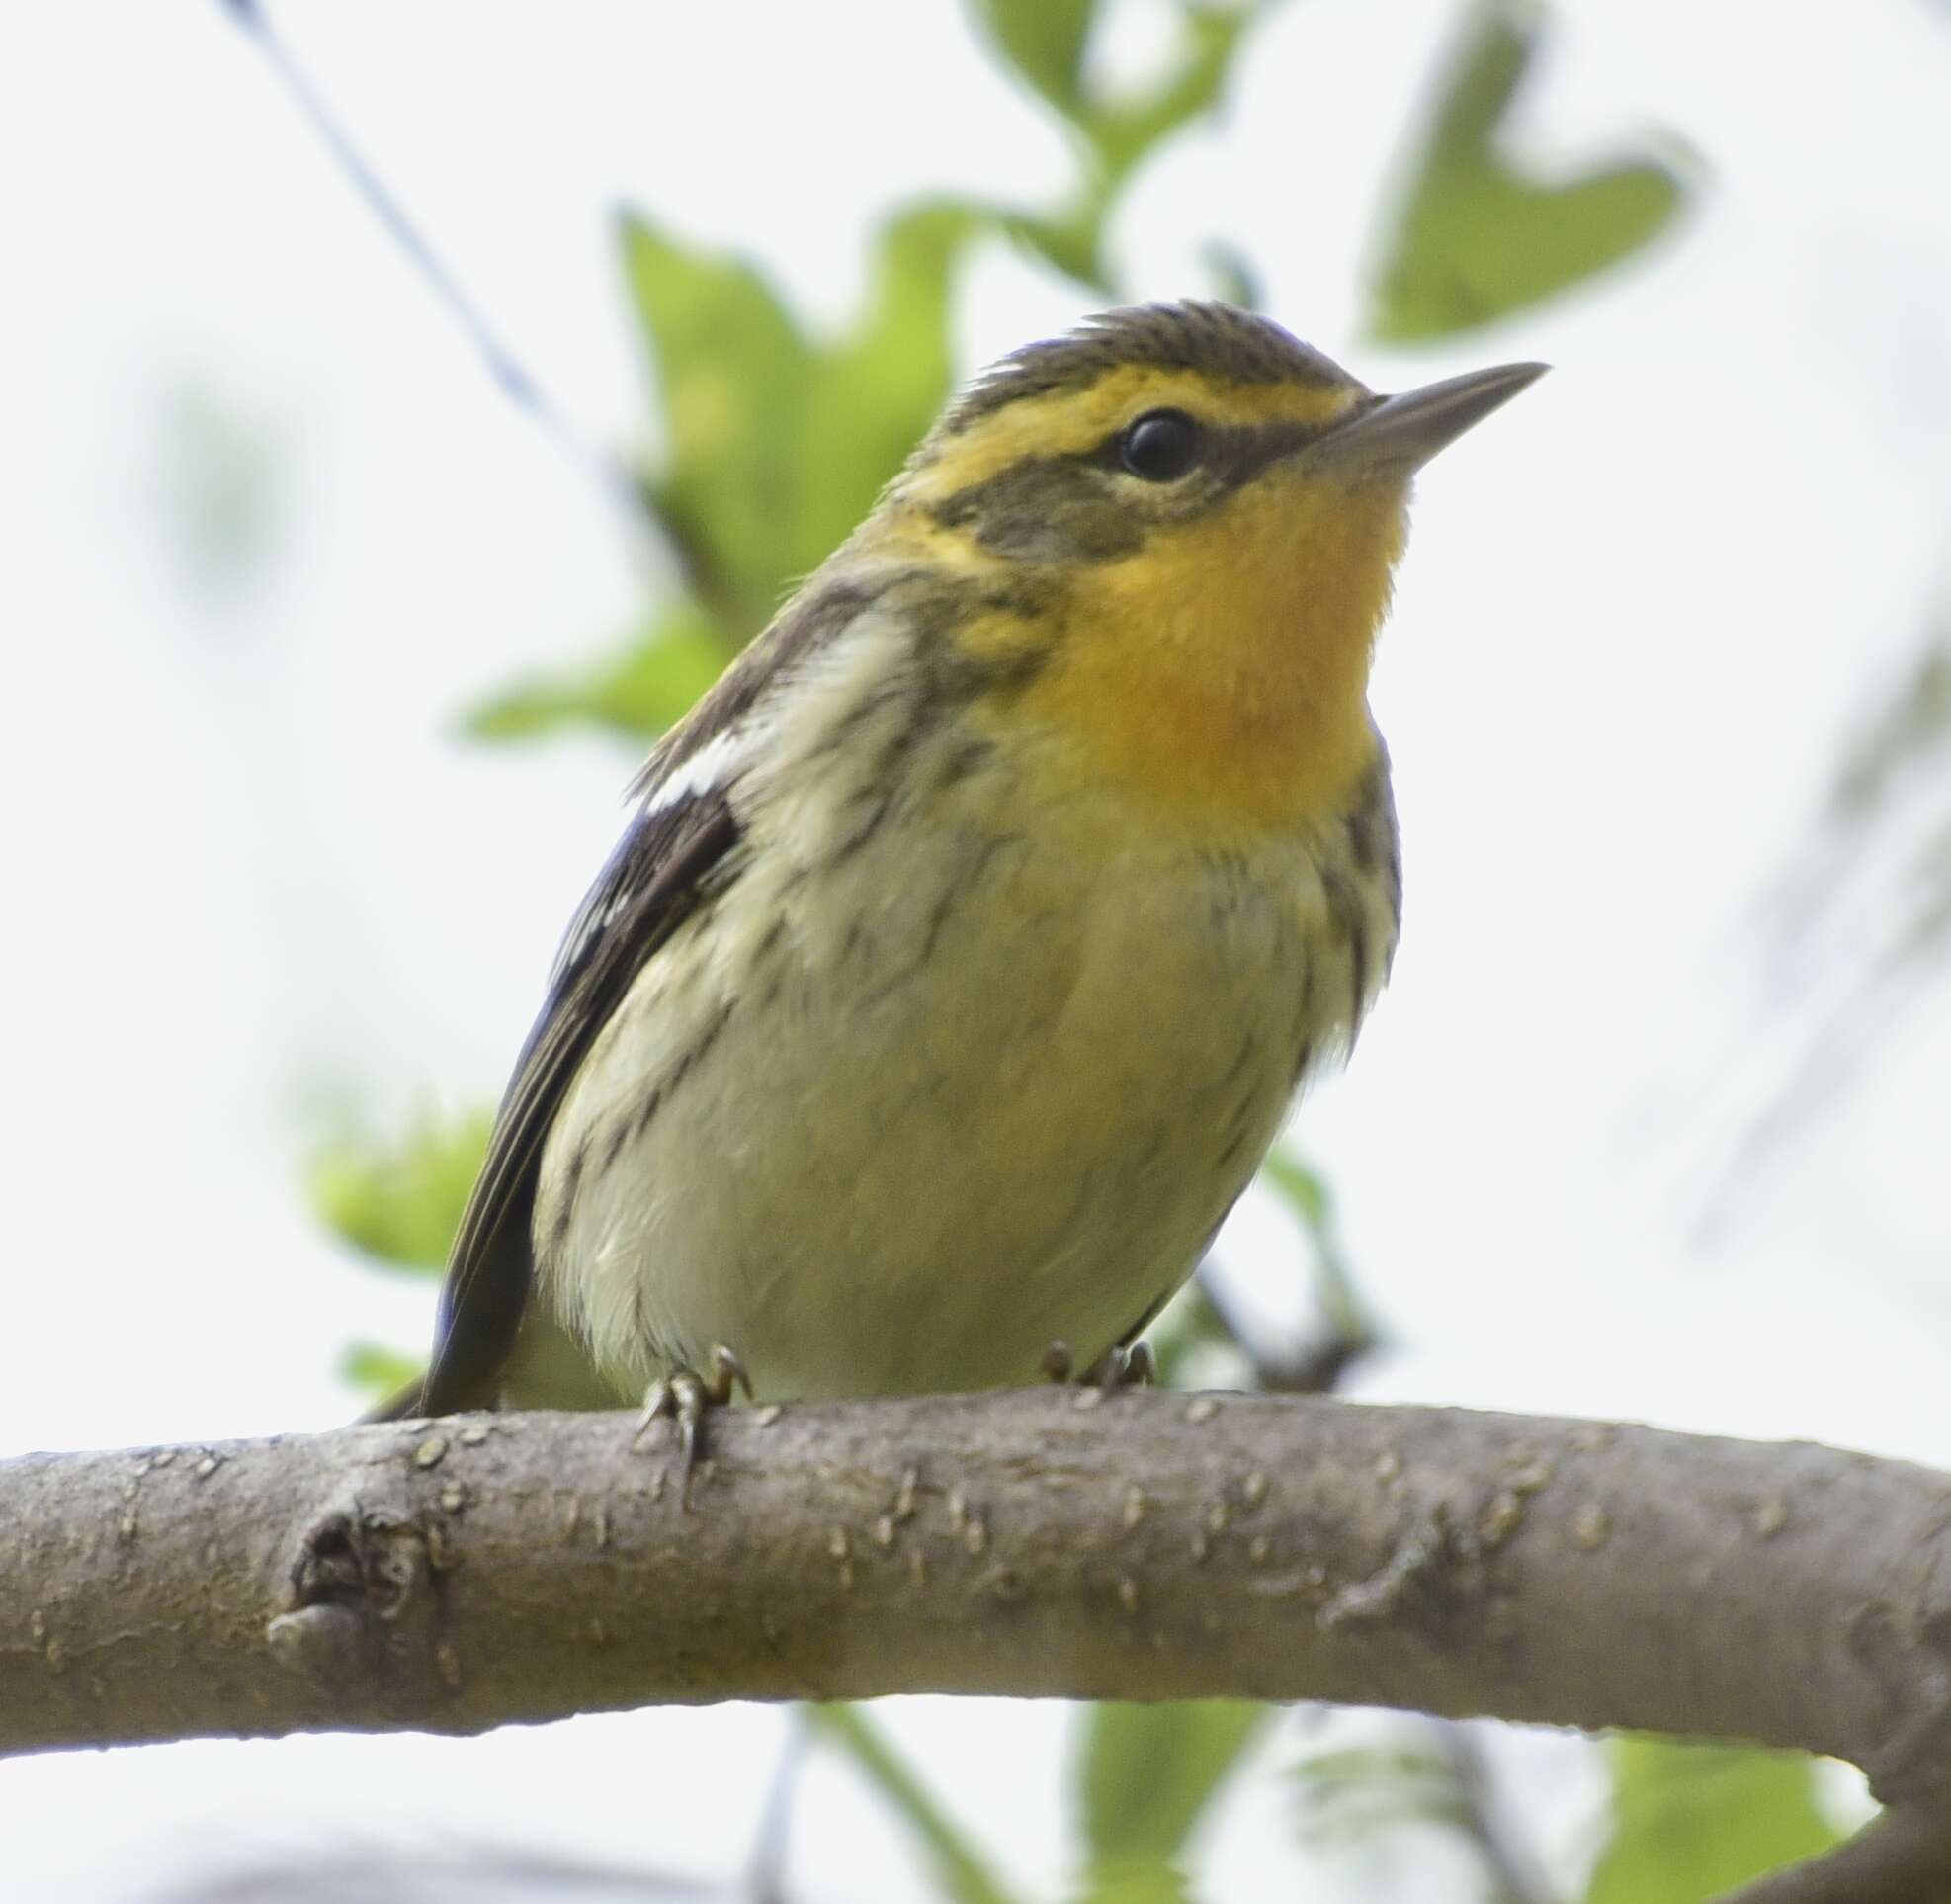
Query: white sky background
[(256, 883)]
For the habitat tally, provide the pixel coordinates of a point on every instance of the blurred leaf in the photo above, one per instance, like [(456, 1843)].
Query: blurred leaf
[(1072, 242), (1370, 1793), (1359, 1791), (1145, 1774), (732, 374), (1305, 1192), (1186, 1325), (874, 392), (1236, 277), (401, 1202), (376, 1370), (960, 1871), (1474, 239), (1119, 133), (221, 487), (1855, 926), (1123, 132), (776, 446), (776, 449), (291, 1870), (640, 691), (1133, 1881), (1910, 728), (1197, 1320), (1691, 1821), (1042, 39)]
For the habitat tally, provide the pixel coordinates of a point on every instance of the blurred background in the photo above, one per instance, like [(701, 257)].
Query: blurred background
[(407, 409)]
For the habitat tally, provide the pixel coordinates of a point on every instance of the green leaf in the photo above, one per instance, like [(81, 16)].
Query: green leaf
[(1072, 243), (1117, 134), (875, 392), (776, 449), (1306, 1194), (400, 1202), (1476, 239), (1044, 41), (777, 446), (1303, 1189), (376, 1370), (1188, 1324), (1133, 1881), (1352, 1794), (639, 691), (1122, 132), (1145, 1774), (732, 374), (1236, 277), (1691, 1821), (961, 1874)]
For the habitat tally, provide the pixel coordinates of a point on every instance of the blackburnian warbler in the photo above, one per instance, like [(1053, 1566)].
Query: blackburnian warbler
[(972, 936)]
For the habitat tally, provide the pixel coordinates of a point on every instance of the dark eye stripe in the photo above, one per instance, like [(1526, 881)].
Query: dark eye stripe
[(1238, 455), (1085, 507)]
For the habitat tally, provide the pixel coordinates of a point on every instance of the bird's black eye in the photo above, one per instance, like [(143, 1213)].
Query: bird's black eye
[(1160, 446)]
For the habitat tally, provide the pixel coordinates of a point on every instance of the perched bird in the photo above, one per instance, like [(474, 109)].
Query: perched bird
[(972, 937)]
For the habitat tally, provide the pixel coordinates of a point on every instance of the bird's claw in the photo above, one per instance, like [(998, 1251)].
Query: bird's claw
[(1119, 1367), (681, 1397), (1130, 1365)]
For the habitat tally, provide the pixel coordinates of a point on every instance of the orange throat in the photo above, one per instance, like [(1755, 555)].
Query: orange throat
[(1227, 676)]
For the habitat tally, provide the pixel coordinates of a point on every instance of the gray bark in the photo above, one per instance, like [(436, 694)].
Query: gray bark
[(458, 1575)]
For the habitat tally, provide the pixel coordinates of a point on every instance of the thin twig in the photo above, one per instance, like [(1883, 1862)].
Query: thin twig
[(511, 377), (765, 1869), (1313, 1368), (1508, 1864)]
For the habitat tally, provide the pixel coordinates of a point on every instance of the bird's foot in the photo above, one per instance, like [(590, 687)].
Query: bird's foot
[(1119, 1367), (1130, 1366), (681, 1397)]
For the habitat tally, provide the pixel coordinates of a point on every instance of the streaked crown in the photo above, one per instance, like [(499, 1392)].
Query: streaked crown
[(1218, 344)]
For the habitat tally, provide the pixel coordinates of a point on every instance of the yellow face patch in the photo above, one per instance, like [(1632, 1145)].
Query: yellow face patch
[(1224, 668), (1220, 670)]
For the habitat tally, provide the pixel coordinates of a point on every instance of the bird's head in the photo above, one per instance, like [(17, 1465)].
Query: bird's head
[(1200, 515)]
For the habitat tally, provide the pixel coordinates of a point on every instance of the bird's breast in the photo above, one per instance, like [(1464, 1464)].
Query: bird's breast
[(926, 1087)]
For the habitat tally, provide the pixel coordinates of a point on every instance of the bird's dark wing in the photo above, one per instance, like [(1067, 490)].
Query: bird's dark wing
[(679, 851), (666, 863)]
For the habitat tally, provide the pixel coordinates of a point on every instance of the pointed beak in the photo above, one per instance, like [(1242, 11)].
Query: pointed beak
[(1402, 433)]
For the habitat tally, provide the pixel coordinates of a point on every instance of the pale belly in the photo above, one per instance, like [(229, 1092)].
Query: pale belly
[(909, 1139)]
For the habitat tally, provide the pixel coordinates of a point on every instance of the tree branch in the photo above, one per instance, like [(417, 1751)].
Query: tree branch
[(458, 1575)]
